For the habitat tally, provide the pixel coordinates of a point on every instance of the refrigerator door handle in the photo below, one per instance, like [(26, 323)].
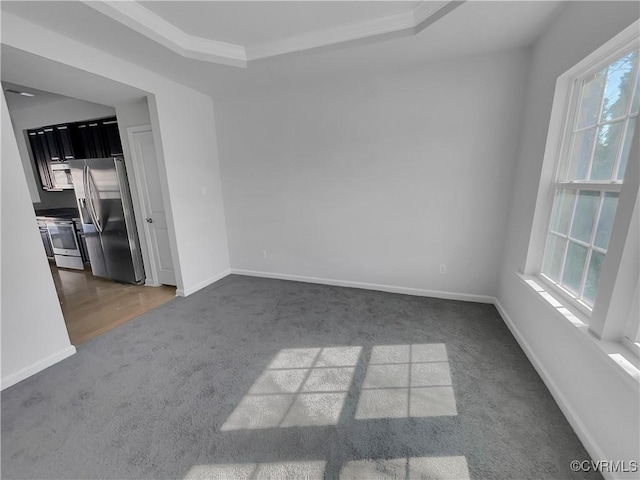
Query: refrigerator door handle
[(88, 185)]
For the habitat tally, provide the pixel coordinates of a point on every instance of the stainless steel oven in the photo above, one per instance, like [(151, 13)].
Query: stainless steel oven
[(65, 244)]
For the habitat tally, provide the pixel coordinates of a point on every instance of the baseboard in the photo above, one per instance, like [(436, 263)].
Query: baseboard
[(37, 366), (466, 297), (185, 292), (576, 423)]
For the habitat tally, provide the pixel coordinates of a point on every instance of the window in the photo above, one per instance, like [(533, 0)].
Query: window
[(594, 154)]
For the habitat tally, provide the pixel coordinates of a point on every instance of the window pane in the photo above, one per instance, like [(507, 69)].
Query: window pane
[(618, 87), (626, 148), (574, 266), (562, 210), (580, 154), (553, 257), (593, 275), (590, 100), (605, 223), (604, 157), (584, 217)]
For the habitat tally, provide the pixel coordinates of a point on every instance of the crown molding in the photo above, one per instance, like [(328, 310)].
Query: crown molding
[(396, 22), (424, 10), (147, 23)]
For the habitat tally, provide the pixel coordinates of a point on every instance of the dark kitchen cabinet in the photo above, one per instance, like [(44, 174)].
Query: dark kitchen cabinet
[(40, 154), (46, 240), (64, 142), (89, 140), (52, 146), (84, 251), (111, 137), (82, 242), (49, 147)]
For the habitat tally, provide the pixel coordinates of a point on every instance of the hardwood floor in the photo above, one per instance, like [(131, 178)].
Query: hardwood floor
[(93, 305)]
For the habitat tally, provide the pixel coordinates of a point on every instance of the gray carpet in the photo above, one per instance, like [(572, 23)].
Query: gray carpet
[(163, 396)]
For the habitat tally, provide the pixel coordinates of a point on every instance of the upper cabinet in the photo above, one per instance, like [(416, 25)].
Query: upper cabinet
[(88, 140), (56, 144), (41, 158), (52, 144), (111, 138), (64, 142)]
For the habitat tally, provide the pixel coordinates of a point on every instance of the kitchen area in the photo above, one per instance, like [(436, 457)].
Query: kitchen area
[(85, 213)]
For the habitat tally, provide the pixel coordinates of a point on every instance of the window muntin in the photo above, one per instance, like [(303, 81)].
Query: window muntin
[(589, 176)]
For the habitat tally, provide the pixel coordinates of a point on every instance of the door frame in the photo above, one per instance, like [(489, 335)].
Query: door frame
[(143, 194)]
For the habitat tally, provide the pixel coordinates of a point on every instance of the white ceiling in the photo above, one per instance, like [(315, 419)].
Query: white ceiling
[(42, 76), (239, 33), (247, 23), (16, 101), (474, 28)]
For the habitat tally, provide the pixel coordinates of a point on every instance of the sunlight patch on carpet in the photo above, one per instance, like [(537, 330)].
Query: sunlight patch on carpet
[(407, 381), (300, 387)]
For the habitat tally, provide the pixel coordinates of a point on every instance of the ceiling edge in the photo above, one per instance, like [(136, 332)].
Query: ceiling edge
[(152, 26), (156, 28), (333, 36)]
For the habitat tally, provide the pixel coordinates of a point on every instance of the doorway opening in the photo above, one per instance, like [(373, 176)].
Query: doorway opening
[(57, 136)]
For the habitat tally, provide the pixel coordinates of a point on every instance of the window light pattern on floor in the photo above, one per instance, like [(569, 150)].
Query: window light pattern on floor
[(440, 468), (301, 387), (407, 381), (308, 470)]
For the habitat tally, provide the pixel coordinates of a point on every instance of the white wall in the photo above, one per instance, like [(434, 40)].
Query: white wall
[(62, 111), (194, 185), (376, 178), (601, 401), (34, 335), (187, 153)]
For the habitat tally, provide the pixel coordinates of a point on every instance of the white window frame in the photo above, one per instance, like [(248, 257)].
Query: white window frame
[(612, 317), (562, 164)]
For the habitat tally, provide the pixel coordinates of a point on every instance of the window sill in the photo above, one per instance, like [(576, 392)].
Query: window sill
[(623, 360), (564, 296)]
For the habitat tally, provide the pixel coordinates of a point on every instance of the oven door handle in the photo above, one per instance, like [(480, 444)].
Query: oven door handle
[(88, 186)]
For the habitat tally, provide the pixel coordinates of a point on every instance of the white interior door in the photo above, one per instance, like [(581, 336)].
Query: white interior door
[(143, 153)]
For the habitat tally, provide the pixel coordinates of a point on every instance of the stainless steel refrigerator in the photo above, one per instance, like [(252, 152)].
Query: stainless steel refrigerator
[(104, 202)]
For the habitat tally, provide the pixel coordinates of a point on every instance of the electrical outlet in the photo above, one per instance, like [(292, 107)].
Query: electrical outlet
[(443, 268), (264, 253)]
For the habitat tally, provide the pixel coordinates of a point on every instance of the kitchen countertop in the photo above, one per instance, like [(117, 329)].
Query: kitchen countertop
[(58, 213)]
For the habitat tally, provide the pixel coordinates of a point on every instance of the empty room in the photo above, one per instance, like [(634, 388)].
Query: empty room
[(320, 239)]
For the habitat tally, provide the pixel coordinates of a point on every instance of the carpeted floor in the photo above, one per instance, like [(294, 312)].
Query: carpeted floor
[(252, 377)]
